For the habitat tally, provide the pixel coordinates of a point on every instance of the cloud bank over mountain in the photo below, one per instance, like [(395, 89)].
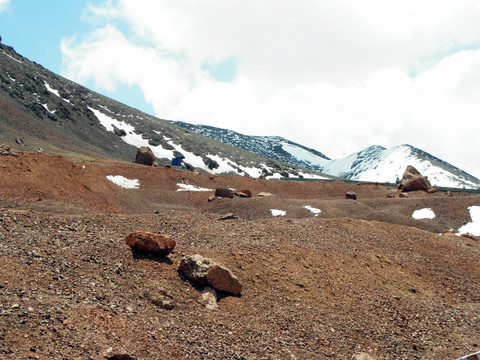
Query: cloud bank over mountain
[(318, 73)]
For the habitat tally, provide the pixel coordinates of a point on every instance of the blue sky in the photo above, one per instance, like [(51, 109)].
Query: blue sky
[(334, 75), (36, 28)]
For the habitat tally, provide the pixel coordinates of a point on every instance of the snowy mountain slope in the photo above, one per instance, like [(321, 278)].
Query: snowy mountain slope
[(374, 163), (274, 147), (60, 116), (386, 165)]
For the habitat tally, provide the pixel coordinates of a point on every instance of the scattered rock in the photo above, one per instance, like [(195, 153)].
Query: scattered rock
[(168, 166), (207, 272), (5, 150), (448, 193), (208, 298), (195, 268), (413, 180), (265, 194), (185, 181), (228, 216), (470, 236), (211, 164), (224, 192), (221, 278), (403, 195), (151, 242), (351, 195), (391, 195), (364, 356), (449, 234), (212, 197), (120, 357), (145, 156), (19, 141), (243, 193)]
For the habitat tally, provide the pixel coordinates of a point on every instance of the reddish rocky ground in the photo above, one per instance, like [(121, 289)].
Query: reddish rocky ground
[(363, 277)]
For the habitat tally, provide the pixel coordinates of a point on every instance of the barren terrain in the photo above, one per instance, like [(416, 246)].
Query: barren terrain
[(363, 278)]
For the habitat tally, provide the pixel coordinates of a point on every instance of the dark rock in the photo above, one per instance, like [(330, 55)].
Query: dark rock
[(223, 192), (120, 357), (145, 156), (19, 141), (228, 216), (151, 242), (119, 132), (178, 155), (211, 164), (351, 195)]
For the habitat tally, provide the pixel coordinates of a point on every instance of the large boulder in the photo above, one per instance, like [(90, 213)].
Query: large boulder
[(151, 242), (413, 180), (145, 156), (224, 192), (207, 272)]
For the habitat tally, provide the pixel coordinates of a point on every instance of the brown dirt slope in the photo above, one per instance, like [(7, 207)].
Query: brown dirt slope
[(359, 278)]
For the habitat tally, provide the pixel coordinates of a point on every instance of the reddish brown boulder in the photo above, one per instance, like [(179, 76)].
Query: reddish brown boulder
[(243, 193), (221, 278), (145, 156), (223, 192), (151, 242), (413, 180)]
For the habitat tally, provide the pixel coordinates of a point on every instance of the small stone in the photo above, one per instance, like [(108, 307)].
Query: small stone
[(208, 298)]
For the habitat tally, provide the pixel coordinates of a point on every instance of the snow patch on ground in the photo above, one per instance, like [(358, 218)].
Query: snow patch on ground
[(124, 182), (313, 210), (53, 91), (185, 187), (423, 214), (46, 108), (276, 212), (472, 227)]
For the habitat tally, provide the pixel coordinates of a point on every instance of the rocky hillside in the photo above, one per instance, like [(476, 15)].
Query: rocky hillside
[(40, 109)]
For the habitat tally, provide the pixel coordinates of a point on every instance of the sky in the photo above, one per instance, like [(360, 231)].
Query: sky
[(334, 75)]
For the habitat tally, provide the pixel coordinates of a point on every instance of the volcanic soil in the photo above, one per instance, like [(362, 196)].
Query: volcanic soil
[(361, 279)]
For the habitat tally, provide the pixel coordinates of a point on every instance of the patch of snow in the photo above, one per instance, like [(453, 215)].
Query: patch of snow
[(276, 212), (185, 187), (472, 227), (11, 57), (274, 176), (50, 89), (426, 213), (46, 108), (313, 210), (124, 182), (313, 176)]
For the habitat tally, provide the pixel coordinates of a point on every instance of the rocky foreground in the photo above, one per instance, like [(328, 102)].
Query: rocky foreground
[(346, 283)]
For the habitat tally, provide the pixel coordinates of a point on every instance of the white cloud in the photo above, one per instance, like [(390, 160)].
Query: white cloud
[(4, 4), (333, 75)]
